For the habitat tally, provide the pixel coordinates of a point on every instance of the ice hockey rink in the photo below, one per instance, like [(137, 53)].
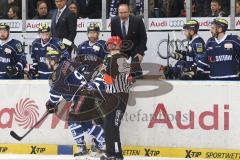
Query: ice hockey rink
[(68, 157)]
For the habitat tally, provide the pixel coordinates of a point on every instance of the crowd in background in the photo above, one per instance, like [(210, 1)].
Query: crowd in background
[(43, 9)]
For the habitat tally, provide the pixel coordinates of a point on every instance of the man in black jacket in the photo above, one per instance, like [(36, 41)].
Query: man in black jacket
[(131, 28), (64, 22)]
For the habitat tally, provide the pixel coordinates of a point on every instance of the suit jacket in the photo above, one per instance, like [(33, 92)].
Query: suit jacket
[(66, 26), (136, 33)]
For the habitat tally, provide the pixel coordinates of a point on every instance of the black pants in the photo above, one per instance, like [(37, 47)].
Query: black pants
[(112, 123), (136, 69)]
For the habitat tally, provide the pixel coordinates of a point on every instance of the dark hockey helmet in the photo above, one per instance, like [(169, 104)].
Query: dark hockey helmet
[(53, 55), (43, 27), (191, 25), (93, 27), (4, 26), (114, 42), (221, 22)]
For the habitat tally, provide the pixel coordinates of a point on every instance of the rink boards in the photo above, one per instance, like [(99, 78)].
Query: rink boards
[(185, 119)]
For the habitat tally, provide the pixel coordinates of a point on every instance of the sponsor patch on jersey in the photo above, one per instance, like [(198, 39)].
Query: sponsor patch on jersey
[(96, 48), (199, 47), (36, 49), (19, 47), (62, 46), (228, 45), (7, 51), (49, 48)]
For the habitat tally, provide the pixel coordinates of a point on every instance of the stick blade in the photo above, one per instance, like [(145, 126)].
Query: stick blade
[(14, 135)]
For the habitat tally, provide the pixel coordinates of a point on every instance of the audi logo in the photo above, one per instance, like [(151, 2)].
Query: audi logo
[(176, 23)]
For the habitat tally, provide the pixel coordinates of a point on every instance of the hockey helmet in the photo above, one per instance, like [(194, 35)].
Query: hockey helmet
[(114, 42), (191, 25), (43, 27), (4, 26), (221, 22), (93, 27), (53, 55)]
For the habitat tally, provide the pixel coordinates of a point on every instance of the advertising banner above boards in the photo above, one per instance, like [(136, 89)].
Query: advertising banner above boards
[(154, 24), (174, 114)]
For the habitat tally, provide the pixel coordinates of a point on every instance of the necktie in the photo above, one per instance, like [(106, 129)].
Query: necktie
[(58, 15), (124, 34)]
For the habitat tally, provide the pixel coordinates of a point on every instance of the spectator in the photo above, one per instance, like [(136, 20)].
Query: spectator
[(13, 12), (168, 8), (131, 28), (207, 9), (90, 9), (216, 9), (194, 9), (64, 22), (42, 11), (73, 8), (238, 8), (3, 9)]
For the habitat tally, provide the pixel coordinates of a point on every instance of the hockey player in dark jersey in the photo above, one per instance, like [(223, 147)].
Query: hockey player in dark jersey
[(194, 51), (67, 79), (40, 47), (221, 60), (93, 45), (12, 56)]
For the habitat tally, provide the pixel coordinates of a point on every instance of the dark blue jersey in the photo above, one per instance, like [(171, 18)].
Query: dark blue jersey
[(113, 9), (38, 55), (12, 54), (69, 76), (196, 49), (98, 48), (221, 60)]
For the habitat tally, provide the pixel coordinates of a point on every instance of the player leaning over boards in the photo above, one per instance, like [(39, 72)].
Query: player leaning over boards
[(194, 51), (40, 47), (12, 56), (221, 60), (67, 79)]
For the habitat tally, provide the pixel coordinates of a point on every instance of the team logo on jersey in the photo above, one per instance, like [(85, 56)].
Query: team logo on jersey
[(96, 48), (7, 51), (49, 48), (228, 45), (19, 47)]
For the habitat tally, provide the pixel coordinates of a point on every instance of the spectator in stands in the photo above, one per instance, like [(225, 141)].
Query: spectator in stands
[(3, 9), (216, 9), (225, 4), (73, 8), (194, 9), (13, 12), (42, 11), (238, 8), (169, 8)]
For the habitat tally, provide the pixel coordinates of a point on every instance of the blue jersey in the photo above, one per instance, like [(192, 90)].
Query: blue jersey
[(113, 10), (98, 48), (221, 60), (12, 54), (69, 76), (38, 55)]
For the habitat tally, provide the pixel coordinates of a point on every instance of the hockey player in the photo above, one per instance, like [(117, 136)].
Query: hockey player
[(93, 45), (118, 80), (194, 51), (221, 60), (67, 80), (40, 47), (12, 56)]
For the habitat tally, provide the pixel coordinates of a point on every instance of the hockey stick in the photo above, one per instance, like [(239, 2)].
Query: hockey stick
[(19, 138), (70, 43)]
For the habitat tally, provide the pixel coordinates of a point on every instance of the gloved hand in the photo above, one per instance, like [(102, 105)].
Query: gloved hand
[(187, 75), (179, 54), (11, 71), (51, 107), (33, 73)]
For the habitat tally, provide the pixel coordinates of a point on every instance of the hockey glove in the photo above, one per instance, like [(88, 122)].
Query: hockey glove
[(11, 71), (33, 74), (180, 55), (51, 107)]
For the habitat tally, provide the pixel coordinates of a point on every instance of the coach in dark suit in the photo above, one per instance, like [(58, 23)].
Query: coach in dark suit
[(132, 28), (64, 22)]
